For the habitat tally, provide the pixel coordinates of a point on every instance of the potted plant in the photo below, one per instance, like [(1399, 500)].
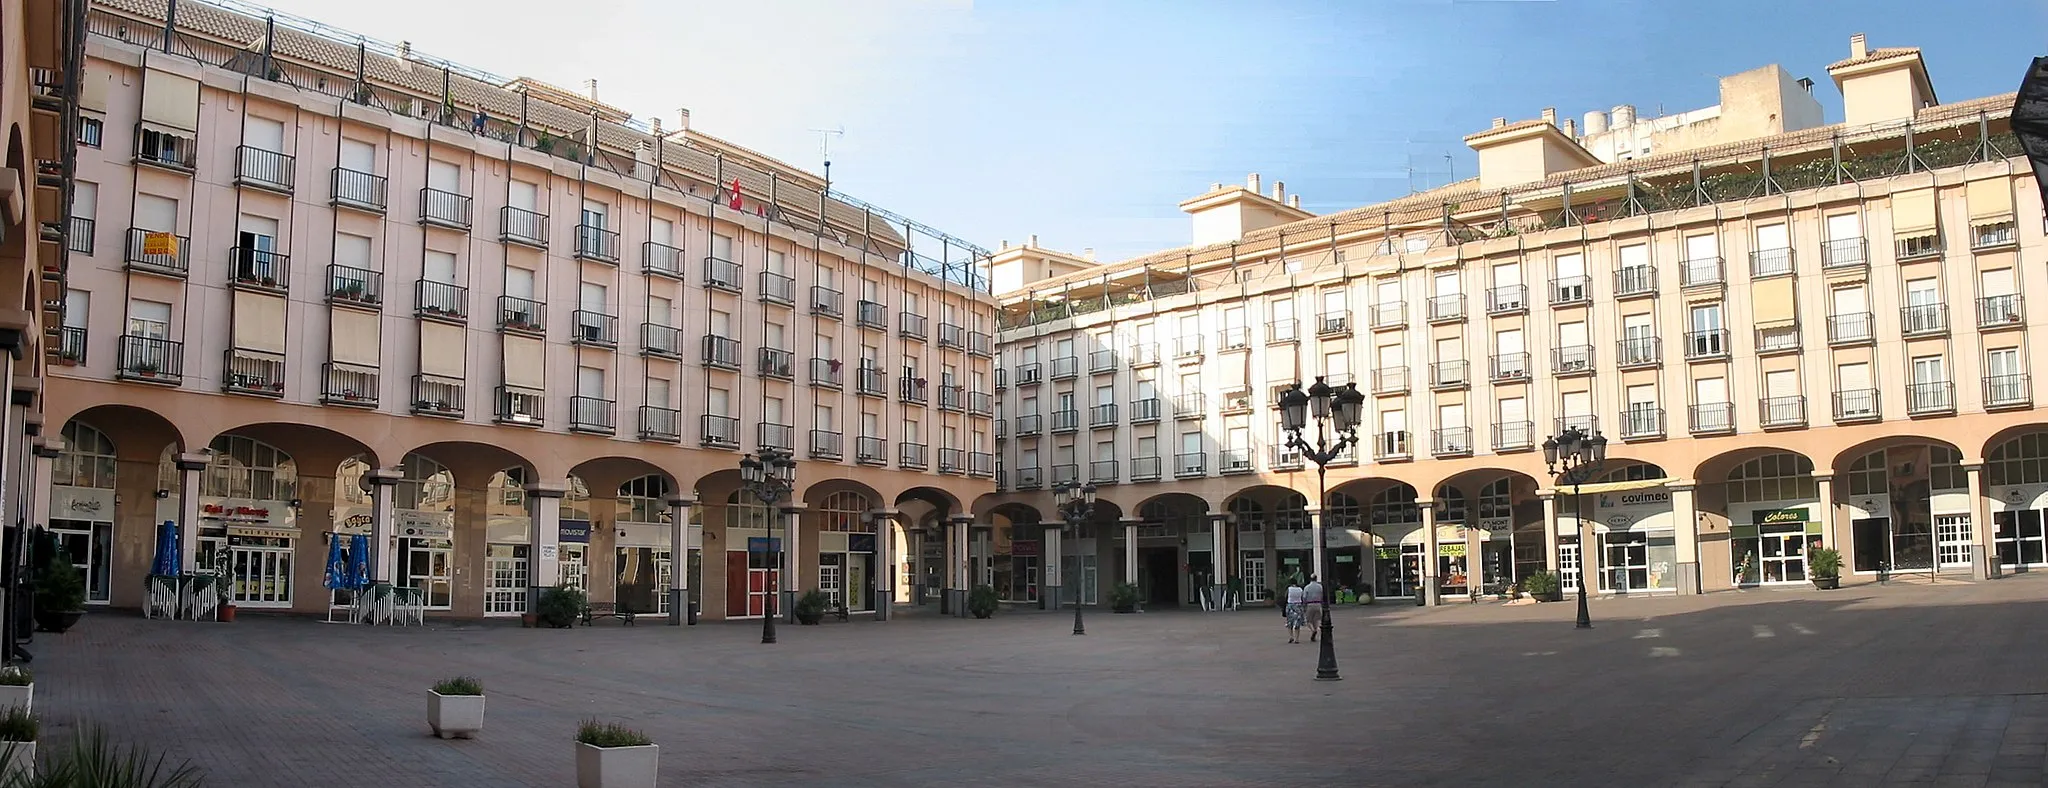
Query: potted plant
[(1824, 565), (982, 601), (17, 687), (1746, 572), (559, 606), (1542, 586), (610, 755), (60, 594), (810, 608), (455, 708), (1364, 595), (18, 729), (227, 611), (1123, 598)]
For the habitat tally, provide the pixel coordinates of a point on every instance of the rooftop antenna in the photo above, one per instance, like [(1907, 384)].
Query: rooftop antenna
[(825, 149)]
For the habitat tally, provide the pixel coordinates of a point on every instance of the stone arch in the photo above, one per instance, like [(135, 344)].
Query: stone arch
[(138, 435), (1892, 491), (316, 448)]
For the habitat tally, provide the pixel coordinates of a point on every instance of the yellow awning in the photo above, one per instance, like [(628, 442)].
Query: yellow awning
[(1990, 198), (1913, 212)]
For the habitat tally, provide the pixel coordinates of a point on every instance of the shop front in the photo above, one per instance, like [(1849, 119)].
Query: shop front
[(82, 519), (1399, 564), (1768, 543), (1347, 558), (1907, 505), (505, 565), (1636, 537), (644, 567), (1081, 569), (1251, 563), (846, 561), (2018, 513), (250, 543), (575, 554), (426, 556), (1294, 552), (751, 574)]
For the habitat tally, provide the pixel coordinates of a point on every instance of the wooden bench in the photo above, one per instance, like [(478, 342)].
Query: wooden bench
[(596, 610), (839, 611)]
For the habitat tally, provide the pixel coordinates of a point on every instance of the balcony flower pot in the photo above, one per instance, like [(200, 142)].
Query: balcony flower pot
[(609, 755), (455, 708)]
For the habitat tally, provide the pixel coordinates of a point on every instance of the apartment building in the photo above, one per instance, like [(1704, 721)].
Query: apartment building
[(1810, 335), (320, 286)]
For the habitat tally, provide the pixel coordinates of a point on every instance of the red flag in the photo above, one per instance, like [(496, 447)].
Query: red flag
[(735, 203)]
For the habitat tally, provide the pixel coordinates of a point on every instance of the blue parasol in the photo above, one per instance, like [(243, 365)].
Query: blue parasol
[(167, 552), (336, 577), (359, 562)]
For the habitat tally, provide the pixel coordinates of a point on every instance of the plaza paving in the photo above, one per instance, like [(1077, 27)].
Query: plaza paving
[(1905, 684)]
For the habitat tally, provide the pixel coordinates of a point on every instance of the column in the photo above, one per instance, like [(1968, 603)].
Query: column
[(47, 450), (1549, 498), (1131, 549), (1220, 561), (884, 574), (1983, 547), (1475, 557), (189, 466), (951, 568), (544, 540), (383, 523), (791, 569), (1049, 590), (680, 611), (1830, 514), (1431, 592), (1589, 544), (1315, 537), (961, 580), (1686, 527)]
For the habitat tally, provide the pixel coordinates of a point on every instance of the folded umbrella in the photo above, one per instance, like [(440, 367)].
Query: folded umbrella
[(359, 562), (167, 553), (336, 577)]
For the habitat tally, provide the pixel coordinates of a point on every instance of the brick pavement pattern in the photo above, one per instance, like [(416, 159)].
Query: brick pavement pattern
[(1902, 684)]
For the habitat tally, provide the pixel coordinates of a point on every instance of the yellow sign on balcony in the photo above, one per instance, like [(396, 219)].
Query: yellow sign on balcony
[(159, 243)]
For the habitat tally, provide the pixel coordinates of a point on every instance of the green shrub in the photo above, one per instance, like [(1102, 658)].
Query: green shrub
[(460, 685), (1824, 562), (560, 606), (16, 676), (91, 761), (1123, 598), (610, 734), (18, 724), (982, 601), (1540, 584), (60, 586), (810, 608)]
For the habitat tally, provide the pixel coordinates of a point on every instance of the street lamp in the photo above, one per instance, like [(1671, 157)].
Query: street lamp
[(1335, 410), (1573, 457), (1076, 503), (770, 477)]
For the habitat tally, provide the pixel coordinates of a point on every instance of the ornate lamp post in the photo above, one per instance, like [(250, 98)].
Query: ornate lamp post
[(1573, 457), (1336, 411), (770, 478), (1076, 504)]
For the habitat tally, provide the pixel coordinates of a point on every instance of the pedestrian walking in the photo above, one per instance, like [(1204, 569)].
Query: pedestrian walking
[(1294, 596), (1312, 607)]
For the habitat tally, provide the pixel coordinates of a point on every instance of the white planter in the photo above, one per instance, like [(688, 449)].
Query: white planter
[(23, 696), (455, 716), (617, 767), (21, 759)]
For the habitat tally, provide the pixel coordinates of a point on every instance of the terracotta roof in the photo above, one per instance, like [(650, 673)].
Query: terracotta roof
[(1874, 55)]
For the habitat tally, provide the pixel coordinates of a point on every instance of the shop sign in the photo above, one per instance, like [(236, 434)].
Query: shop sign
[(416, 524), (263, 533), (860, 543), (1450, 533), (2019, 496), (575, 531), (1024, 549), (231, 512), (1778, 516), (653, 535), (1451, 549), (1492, 525), (81, 503), (763, 544), (1346, 559), (354, 523), (1388, 553)]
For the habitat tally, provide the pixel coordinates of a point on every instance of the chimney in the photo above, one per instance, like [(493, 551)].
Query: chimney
[(405, 50), (1251, 183), (1550, 115), (1006, 243), (590, 89), (1034, 240), (1571, 128), (683, 119), (1216, 187), (1596, 122), (1858, 49), (1500, 122), (1806, 84), (655, 122), (1088, 254), (1279, 191), (1294, 202)]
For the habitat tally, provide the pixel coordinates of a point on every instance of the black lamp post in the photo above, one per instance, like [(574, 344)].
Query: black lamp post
[(770, 477), (1335, 410), (1573, 457), (1076, 504)]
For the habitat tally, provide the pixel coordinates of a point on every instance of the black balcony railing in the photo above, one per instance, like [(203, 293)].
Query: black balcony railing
[(1288, 330), (981, 464), (951, 460), (1392, 445), (1703, 271), (351, 285), (870, 314), (151, 359), (1857, 405), (446, 209), (1393, 315), (952, 335), (980, 403), (1449, 374), (1102, 415), (721, 352), (1851, 327), (1571, 359), (1930, 398), (596, 243), (1642, 422), (2007, 391), (1570, 289), (825, 301), (981, 343), (522, 314), (1066, 420), (1029, 478), (1507, 299), (1389, 380), (871, 451), (71, 345), (348, 384), (1145, 469), (1639, 352), (433, 395), (594, 328), (1283, 458), (265, 169), (1144, 354), (521, 226), (1999, 311), (1229, 461), (775, 288), (1635, 280), (1583, 423), (1706, 343), (1236, 399), (174, 262), (912, 390), (363, 191), (825, 372), (252, 372), (872, 382), (162, 148), (259, 268), (659, 340), (1028, 374), (1709, 418), (1333, 323), (520, 405), (1447, 308), (776, 436), (1065, 367), (1450, 441), (722, 274), (1514, 436), (1100, 361), (719, 431), (1187, 347), (660, 424), (79, 237), (661, 260), (1923, 319), (952, 397), (1029, 424), (770, 362), (1844, 253), (1509, 366), (1234, 338), (1770, 262), (827, 445), (1144, 410), (1066, 473), (1778, 337), (593, 415), (1190, 406), (911, 455), (1104, 472), (1195, 464), (910, 325), (1775, 412)]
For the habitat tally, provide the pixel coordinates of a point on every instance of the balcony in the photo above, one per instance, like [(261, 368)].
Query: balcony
[(910, 325), (1030, 478), (825, 301), (1508, 367), (1857, 405), (1704, 272), (1330, 324), (1507, 299), (1447, 308), (1851, 328), (1283, 458), (981, 464), (1923, 320), (952, 397), (1394, 315), (981, 343), (721, 432), (1450, 442), (1104, 472), (1930, 399), (871, 314), (433, 395), (363, 191), (71, 345), (827, 445), (265, 169), (1101, 361), (151, 360), (1572, 360), (980, 403), (775, 436), (660, 424), (872, 382), (721, 353), (950, 461), (1233, 461), (1145, 469), (1029, 374), (2007, 391), (911, 391), (1002, 429), (1712, 418), (1237, 399), (1583, 423), (1186, 465), (348, 384), (1190, 406), (259, 269), (593, 415), (521, 226), (1447, 375), (1844, 253), (725, 275), (1778, 338), (142, 258), (1390, 380), (661, 260), (1392, 446), (1770, 262), (597, 244), (1635, 280), (165, 149), (520, 406), (252, 372), (825, 373), (594, 329), (1639, 352), (351, 286), (1280, 331), (1992, 235), (1234, 338), (952, 335), (871, 451), (1100, 415), (1706, 344), (1781, 412), (1514, 436), (1144, 354), (522, 315), (1566, 290), (1640, 422), (1144, 411), (1066, 367), (775, 363), (444, 209), (1187, 348), (720, 274), (1065, 421), (1999, 311), (1916, 247), (80, 235), (1066, 473), (912, 456), (661, 341)]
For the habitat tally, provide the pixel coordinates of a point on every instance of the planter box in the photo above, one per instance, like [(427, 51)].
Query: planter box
[(617, 767), (455, 716), (23, 696), (21, 759)]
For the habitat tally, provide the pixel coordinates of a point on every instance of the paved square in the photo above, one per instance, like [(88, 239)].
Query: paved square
[(1868, 685)]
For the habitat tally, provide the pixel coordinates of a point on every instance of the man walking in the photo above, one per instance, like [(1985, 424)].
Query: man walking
[(1312, 598)]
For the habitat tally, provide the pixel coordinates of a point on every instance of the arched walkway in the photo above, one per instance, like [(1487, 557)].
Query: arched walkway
[(2016, 484), (1175, 553), (1894, 493)]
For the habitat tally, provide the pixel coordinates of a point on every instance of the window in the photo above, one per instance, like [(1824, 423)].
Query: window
[(151, 319), (90, 130)]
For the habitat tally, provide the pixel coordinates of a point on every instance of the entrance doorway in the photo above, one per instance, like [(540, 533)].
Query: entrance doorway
[(505, 580), (90, 544), (1398, 570), (2019, 538), (1952, 541), (1159, 576), (429, 565), (1568, 563), (260, 571)]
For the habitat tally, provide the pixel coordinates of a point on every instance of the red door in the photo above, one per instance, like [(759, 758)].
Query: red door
[(736, 595)]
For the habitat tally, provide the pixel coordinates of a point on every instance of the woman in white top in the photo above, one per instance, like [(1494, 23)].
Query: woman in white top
[(1294, 600)]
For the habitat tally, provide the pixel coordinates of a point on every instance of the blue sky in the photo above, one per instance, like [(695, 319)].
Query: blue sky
[(1087, 122)]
